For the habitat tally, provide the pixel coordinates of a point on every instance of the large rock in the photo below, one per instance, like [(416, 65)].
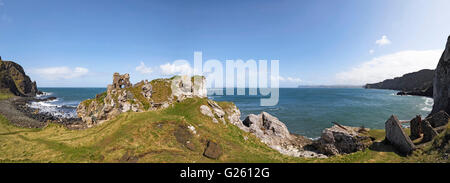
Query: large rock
[(428, 131), (397, 137), (14, 80), (275, 134), (121, 96), (438, 119), (342, 140), (415, 126), (441, 82)]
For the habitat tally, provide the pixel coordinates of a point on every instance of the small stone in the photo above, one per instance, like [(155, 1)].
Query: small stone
[(213, 150)]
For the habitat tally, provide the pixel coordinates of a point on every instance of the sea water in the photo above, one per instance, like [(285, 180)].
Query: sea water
[(305, 111)]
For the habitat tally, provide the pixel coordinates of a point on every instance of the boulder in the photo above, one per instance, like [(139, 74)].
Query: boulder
[(415, 126), (205, 110), (212, 150), (441, 82), (438, 119), (275, 134), (397, 137), (342, 140), (428, 131)]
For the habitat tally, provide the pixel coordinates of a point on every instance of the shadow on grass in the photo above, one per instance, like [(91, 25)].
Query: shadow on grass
[(385, 146)]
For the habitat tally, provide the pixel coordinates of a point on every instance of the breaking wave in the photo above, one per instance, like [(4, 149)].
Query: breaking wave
[(49, 107), (428, 104)]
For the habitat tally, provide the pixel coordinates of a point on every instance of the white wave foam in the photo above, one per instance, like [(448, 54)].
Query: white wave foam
[(426, 109), (44, 94), (60, 111), (429, 101)]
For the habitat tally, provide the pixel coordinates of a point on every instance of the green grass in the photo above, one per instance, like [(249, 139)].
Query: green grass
[(150, 137), (161, 90)]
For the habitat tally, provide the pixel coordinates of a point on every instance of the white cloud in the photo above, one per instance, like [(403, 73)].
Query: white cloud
[(289, 79), (57, 73), (144, 69), (371, 51), (173, 69), (389, 66), (383, 41)]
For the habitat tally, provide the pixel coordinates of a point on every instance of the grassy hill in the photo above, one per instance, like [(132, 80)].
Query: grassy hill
[(161, 136)]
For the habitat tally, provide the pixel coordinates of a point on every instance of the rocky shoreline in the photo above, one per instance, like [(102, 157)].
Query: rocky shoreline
[(17, 107)]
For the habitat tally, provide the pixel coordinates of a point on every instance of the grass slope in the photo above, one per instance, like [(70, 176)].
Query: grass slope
[(156, 136)]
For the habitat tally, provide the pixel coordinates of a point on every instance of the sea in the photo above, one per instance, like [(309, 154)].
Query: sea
[(305, 111)]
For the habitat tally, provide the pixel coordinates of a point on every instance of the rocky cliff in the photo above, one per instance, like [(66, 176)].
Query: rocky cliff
[(416, 83), (121, 96), (14, 80), (441, 82)]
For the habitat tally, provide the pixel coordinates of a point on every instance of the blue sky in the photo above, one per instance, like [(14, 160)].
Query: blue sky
[(82, 42)]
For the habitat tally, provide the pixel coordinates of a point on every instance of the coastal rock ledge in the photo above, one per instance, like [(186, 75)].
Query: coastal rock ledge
[(341, 139), (121, 96), (276, 135)]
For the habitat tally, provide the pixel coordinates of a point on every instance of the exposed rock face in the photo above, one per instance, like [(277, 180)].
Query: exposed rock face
[(397, 137), (441, 82), (214, 111), (342, 140), (275, 134), (13, 79), (121, 81), (415, 125), (416, 83), (428, 132), (121, 96), (438, 119)]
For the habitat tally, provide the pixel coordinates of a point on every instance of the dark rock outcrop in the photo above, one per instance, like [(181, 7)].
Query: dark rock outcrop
[(415, 125), (441, 82), (428, 131), (397, 137), (417, 83), (438, 119), (14, 80)]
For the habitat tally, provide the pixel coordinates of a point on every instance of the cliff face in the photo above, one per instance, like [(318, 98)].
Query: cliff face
[(416, 83), (441, 82), (13, 79), (122, 96)]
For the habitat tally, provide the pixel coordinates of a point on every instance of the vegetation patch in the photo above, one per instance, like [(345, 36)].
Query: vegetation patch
[(161, 90)]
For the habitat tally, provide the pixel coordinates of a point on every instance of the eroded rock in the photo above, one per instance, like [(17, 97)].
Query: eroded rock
[(397, 137), (438, 119), (415, 125), (441, 82), (428, 131), (342, 140), (275, 134), (121, 96)]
